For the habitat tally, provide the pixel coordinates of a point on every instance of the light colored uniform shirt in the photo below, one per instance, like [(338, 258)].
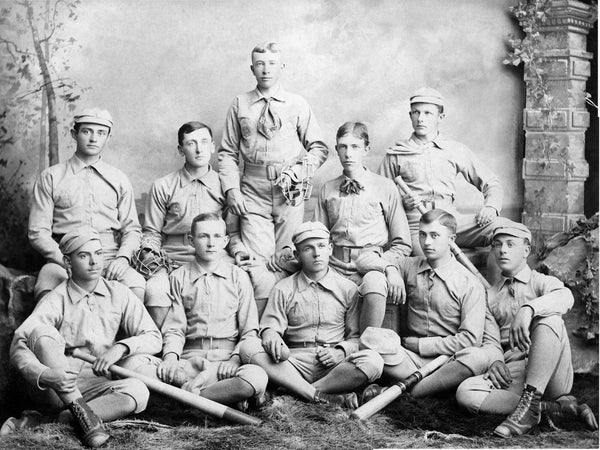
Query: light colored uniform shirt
[(218, 305), (299, 132), (88, 320), (326, 311), (546, 294), (373, 218), (174, 201), (446, 306), (430, 170), (73, 194)]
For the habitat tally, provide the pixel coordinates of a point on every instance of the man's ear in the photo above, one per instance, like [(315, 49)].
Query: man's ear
[(453, 237), (180, 150), (190, 239), (73, 134), (252, 68)]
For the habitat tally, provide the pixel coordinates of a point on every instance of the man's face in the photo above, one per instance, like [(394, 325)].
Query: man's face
[(435, 240), (266, 68), (91, 139), (87, 262), (314, 254), (197, 147), (209, 238), (351, 151), (511, 253), (425, 118)]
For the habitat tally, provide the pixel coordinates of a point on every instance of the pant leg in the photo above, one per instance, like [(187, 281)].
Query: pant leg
[(286, 219), (473, 391), (561, 381), (257, 229), (469, 234), (158, 290), (50, 276)]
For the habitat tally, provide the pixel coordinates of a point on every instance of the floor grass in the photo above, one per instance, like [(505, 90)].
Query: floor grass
[(292, 424)]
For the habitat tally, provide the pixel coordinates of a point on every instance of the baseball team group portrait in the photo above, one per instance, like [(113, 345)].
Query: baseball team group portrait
[(298, 224)]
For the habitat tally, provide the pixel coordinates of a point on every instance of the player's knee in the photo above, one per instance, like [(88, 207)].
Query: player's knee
[(136, 362), (374, 282), (138, 391), (249, 348), (255, 376), (44, 334), (469, 395), (368, 362)]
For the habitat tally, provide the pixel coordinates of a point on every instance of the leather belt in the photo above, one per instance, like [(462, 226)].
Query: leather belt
[(310, 344), (106, 237), (209, 343), (176, 239), (270, 171), (348, 254)]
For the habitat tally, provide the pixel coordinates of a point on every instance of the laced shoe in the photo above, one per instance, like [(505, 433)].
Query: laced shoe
[(349, 400), (525, 416), (28, 419), (93, 432), (567, 407), (370, 392)]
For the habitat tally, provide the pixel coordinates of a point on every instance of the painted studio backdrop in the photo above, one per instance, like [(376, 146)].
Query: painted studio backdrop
[(157, 64)]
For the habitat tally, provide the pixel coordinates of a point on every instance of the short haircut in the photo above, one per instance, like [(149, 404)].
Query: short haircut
[(265, 47), (77, 126), (356, 129), (206, 217), (441, 216), (188, 127)]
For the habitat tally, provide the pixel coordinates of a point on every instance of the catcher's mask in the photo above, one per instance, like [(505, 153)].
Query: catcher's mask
[(147, 262), (300, 188)]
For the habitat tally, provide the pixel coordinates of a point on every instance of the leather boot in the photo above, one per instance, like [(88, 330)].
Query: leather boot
[(93, 433), (567, 407), (349, 400), (370, 392), (525, 416)]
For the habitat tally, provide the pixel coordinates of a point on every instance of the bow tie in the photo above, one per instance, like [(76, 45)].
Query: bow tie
[(349, 186)]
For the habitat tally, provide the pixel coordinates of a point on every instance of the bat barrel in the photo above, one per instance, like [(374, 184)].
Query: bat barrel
[(203, 404)]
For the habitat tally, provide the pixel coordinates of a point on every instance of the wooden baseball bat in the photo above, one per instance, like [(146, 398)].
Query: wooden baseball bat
[(393, 392), (458, 253), (203, 404)]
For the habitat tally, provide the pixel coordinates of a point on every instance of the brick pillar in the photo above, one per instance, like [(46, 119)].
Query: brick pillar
[(554, 167)]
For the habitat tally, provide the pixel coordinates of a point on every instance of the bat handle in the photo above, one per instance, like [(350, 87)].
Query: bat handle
[(460, 256)]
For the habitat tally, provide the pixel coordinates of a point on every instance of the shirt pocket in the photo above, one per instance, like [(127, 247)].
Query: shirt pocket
[(67, 198)]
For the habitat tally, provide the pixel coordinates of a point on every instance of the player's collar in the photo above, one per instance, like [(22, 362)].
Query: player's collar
[(76, 293), (186, 178), (444, 272), (524, 275), (280, 95), (328, 282), (197, 271)]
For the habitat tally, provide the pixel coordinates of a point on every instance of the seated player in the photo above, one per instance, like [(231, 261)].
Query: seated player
[(309, 329), (213, 312), (364, 215), (86, 191), (445, 313), (430, 164), (530, 371), (174, 201), (87, 312)]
